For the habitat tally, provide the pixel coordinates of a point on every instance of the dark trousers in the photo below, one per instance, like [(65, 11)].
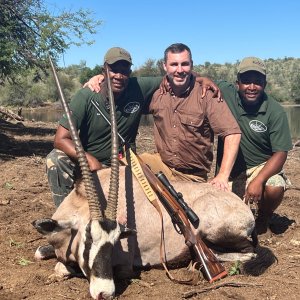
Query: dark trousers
[(61, 172)]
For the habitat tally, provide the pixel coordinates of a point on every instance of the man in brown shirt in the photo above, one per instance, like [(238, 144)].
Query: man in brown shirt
[(185, 124)]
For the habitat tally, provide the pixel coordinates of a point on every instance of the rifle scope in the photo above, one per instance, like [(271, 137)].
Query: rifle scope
[(179, 198)]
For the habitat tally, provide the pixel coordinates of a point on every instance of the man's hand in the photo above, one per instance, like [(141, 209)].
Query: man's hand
[(231, 147), (254, 191), (220, 182), (208, 84), (94, 83), (93, 162)]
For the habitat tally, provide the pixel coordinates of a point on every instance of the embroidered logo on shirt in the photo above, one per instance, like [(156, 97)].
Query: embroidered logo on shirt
[(257, 126), (132, 107)]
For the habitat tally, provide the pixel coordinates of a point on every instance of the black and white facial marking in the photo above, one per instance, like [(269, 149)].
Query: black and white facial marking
[(96, 257)]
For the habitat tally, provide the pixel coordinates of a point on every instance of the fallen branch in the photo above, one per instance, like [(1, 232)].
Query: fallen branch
[(215, 287), (296, 144), (34, 240), (294, 188), (10, 114)]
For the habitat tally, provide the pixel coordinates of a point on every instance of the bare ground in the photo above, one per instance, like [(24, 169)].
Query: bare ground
[(24, 197)]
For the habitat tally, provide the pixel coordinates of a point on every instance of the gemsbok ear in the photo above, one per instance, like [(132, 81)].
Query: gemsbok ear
[(45, 226)]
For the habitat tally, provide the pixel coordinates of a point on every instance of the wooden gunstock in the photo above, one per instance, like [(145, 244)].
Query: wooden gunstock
[(212, 268)]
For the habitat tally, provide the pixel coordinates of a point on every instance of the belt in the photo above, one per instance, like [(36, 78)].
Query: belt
[(195, 172)]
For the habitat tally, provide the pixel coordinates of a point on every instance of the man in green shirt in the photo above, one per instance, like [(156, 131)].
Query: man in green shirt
[(257, 175), (130, 94)]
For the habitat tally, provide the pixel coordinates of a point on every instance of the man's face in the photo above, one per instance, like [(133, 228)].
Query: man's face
[(251, 87), (119, 73), (178, 68)]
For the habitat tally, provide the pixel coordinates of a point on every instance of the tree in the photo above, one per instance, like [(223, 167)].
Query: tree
[(88, 73), (38, 92), (28, 33), (295, 88), (160, 67), (148, 69)]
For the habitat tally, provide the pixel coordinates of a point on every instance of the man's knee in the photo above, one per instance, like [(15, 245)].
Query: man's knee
[(274, 193), (60, 165), (61, 175), (277, 181), (58, 159), (275, 188)]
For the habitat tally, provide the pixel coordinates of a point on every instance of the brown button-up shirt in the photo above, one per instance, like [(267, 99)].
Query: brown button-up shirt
[(184, 128)]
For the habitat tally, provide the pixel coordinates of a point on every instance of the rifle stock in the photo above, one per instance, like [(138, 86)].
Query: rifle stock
[(212, 268)]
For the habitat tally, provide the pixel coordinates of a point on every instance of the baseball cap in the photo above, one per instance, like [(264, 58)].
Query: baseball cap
[(252, 64), (115, 54)]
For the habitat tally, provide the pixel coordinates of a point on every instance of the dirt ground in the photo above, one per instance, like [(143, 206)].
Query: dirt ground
[(24, 197)]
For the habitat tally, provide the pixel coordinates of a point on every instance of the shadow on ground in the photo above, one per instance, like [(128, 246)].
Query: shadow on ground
[(11, 147), (280, 224)]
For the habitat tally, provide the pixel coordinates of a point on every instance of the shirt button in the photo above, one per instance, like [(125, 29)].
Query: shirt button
[(174, 126), (175, 154), (175, 111)]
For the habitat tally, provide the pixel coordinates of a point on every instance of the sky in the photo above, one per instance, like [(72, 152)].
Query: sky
[(217, 31)]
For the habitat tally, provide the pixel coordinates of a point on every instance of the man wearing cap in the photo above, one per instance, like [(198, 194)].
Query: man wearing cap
[(257, 175), (130, 94)]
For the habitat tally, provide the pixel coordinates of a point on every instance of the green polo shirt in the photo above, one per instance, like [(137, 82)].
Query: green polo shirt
[(94, 131), (265, 130)]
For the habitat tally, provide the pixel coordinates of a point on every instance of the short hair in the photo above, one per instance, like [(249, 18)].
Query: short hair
[(177, 48)]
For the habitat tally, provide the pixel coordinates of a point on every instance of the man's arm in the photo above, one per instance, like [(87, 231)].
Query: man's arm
[(94, 85), (208, 84), (273, 166), (231, 147), (63, 142)]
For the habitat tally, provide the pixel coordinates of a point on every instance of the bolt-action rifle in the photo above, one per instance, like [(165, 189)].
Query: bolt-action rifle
[(180, 213)]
